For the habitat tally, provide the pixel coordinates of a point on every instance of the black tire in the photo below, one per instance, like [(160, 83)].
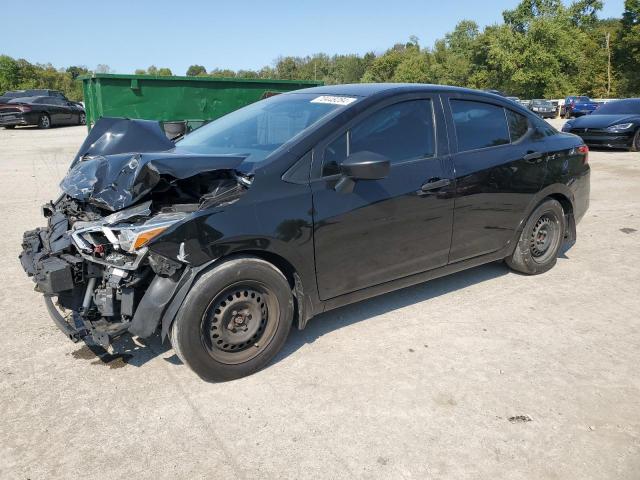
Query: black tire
[(635, 142), (540, 241), (9, 127), (44, 121), (82, 119), (234, 320)]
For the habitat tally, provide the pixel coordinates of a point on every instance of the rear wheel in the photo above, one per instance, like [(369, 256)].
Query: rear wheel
[(234, 320), (44, 121), (635, 142), (82, 119), (540, 241), (10, 127)]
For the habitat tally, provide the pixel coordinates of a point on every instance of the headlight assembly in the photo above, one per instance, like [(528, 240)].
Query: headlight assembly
[(134, 238), (620, 127), (123, 237)]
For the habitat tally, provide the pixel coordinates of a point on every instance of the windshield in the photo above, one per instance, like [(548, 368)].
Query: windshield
[(259, 129), (619, 107), (583, 99), (542, 103)]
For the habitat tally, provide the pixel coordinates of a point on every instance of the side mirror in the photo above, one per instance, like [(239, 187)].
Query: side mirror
[(365, 166), (362, 166)]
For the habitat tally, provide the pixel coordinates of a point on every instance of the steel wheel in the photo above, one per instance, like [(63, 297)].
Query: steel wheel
[(544, 238), (239, 322)]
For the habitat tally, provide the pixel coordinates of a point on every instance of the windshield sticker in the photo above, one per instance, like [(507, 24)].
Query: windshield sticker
[(333, 100)]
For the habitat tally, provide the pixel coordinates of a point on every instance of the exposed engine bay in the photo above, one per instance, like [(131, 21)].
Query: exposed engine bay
[(92, 260)]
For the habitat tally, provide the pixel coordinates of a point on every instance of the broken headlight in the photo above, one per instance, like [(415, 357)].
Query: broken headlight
[(99, 239), (134, 237)]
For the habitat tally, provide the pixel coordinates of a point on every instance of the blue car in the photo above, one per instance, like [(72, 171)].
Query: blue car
[(577, 106)]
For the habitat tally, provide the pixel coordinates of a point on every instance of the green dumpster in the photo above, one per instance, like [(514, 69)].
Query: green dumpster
[(194, 100)]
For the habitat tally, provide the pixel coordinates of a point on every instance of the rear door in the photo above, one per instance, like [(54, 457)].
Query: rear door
[(65, 111), (389, 228), (499, 167)]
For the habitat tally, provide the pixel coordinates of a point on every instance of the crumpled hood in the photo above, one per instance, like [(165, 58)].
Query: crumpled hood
[(119, 170), (602, 121)]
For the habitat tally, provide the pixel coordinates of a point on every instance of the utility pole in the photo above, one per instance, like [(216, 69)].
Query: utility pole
[(608, 37)]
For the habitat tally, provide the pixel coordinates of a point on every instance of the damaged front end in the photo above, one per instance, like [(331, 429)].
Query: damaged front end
[(92, 261)]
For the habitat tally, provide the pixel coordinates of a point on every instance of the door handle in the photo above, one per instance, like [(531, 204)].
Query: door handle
[(533, 157), (434, 184)]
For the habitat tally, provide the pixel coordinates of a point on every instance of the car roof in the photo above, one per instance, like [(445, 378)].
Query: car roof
[(370, 89), (26, 99)]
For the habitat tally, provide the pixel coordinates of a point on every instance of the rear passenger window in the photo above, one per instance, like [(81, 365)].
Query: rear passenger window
[(518, 125), (402, 131), (479, 125)]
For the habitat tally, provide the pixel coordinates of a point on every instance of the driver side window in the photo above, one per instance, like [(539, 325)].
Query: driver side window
[(400, 132)]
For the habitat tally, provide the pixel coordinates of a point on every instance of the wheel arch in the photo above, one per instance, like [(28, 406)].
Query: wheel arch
[(565, 197), (304, 306)]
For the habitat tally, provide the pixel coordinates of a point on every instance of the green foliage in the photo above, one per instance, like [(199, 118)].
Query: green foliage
[(627, 49), (544, 48), (196, 70)]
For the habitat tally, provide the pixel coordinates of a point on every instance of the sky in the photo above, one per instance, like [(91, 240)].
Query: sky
[(241, 34)]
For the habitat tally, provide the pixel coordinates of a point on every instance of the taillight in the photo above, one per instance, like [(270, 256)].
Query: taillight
[(584, 150), (24, 108)]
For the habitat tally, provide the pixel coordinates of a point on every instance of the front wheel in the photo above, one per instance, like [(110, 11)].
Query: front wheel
[(234, 320), (635, 142), (540, 241), (9, 127), (82, 119)]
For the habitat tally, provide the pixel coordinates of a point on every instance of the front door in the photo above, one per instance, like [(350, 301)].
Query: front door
[(389, 228)]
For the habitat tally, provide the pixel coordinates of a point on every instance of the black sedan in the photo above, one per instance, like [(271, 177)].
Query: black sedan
[(544, 108), (614, 125), (296, 205), (44, 112)]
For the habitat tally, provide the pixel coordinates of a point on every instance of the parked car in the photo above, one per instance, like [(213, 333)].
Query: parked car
[(494, 91), (296, 205), (44, 112), (615, 125), (577, 106), (34, 92), (544, 108)]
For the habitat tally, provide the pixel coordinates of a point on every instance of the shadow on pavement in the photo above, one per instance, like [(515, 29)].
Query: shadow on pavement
[(127, 351), (348, 315)]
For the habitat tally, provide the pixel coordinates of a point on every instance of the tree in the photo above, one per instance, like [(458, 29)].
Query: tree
[(9, 73), (102, 68), (196, 70), (75, 71), (627, 49), (222, 73), (164, 72), (413, 69), (287, 68)]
